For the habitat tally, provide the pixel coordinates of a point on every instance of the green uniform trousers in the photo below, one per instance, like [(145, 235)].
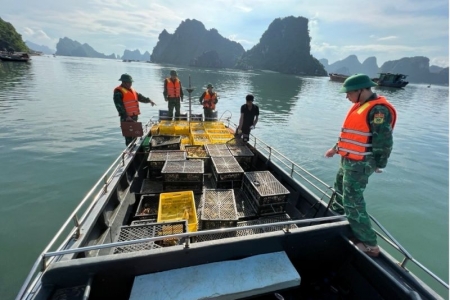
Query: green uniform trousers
[(174, 103), (209, 115), (351, 181)]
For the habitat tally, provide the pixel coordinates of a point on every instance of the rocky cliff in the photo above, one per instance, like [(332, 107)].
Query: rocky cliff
[(10, 40), (39, 48), (136, 55), (189, 43), (68, 47), (284, 47)]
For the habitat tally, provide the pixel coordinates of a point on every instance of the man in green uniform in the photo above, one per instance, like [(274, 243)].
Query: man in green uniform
[(126, 100), (365, 144), (173, 94)]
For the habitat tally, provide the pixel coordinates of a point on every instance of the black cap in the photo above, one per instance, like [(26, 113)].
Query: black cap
[(249, 97)]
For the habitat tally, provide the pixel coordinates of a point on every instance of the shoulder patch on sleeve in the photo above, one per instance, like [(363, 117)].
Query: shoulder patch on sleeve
[(378, 118)]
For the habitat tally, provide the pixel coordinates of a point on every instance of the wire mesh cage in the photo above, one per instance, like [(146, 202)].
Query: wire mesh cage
[(218, 209)]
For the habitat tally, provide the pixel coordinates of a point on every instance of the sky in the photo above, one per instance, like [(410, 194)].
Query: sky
[(386, 29)]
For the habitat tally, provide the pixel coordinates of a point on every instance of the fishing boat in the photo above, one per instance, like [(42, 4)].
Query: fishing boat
[(190, 211), (14, 56), (338, 77), (392, 80)]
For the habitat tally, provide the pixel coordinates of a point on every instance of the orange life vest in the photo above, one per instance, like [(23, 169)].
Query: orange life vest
[(173, 88), (209, 100), (130, 100), (355, 141)]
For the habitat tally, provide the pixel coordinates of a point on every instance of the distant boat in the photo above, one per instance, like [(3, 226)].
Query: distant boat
[(338, 77), (392, 80), (15, 56)]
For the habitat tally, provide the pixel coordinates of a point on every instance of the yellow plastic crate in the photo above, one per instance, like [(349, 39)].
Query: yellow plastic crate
[(199, 139), (178, 206), (196, 125), (185, 139), (181, 127), (215, 124), (166, 127), (154, 130), (198, 130), (216, 131)]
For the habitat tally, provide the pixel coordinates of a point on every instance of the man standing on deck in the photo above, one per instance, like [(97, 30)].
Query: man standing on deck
[(173, 93), (365, 144), (249, 117), (127, 101), (209, 100)]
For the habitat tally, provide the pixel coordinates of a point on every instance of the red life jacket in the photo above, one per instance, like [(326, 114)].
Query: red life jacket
[(130, 100), (356, 138), (173, 88), (209, 100)]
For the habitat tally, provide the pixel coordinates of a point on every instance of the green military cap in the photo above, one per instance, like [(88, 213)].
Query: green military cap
[(174, 73), (209, 86), (356, 82), (126, 78)]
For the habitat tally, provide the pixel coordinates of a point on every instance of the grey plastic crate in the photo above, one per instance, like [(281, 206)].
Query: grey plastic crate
[(218, 209), (148, 207), (136, 232), (226, 169), (157, 158), (183, 171), (165, 142), (265, 188)]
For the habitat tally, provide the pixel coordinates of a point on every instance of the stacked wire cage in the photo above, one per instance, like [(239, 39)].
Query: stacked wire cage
[(157, 158), (218, 209), (183, 175), (243, 155), (198, 152), (266, 193), (227, 173)]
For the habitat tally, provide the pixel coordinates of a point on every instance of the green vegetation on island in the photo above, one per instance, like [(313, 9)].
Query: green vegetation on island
[(10, 40)]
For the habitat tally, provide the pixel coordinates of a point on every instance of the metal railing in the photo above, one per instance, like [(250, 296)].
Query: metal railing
[(297, 172), (271, 154)]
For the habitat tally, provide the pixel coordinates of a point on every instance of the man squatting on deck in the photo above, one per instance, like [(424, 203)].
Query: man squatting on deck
[(127, 101), (365, 144)]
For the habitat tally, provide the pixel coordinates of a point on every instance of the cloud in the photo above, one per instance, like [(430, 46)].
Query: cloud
[(386, 38)]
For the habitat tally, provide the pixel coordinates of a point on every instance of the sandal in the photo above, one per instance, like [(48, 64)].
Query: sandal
[(373, 251)]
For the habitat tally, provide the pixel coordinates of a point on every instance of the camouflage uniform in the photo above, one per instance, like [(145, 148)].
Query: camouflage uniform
[(122, 112), (353, 176)]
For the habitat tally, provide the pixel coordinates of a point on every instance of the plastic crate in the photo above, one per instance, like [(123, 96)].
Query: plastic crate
[(146, 144), (135, 232), (226, 184), (166, 127), (242, 154), (157, 158), (220, 153), (244, 207), (216, 131), (265, 188), (196, 152), (226, 169), (148, 207), (181, 127), (185, 139), (214, 124), (154, 130), (165, 142), (178, 206), (186, 170), (269, 209), (199, 139), (218, 209), (212, 147)]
